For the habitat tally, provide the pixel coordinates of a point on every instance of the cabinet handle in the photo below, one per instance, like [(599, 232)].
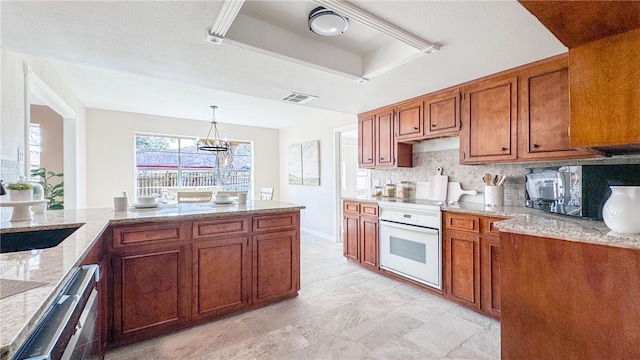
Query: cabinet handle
[(381, 158), (369, 159), (535, 146), (415, 128), (433, 125), (503, 149)]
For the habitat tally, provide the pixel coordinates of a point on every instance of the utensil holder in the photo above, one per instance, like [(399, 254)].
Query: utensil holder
[(493, 195)]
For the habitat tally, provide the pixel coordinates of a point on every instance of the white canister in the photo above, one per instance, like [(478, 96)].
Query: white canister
[(493, 195), (621, 212)]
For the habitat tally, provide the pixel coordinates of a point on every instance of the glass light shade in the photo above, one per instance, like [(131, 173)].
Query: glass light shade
[(326, 22)]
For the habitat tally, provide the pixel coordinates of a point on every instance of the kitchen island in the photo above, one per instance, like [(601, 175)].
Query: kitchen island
[(259, 240)]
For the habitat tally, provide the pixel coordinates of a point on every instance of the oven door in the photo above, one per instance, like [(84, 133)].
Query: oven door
[(411, 251)]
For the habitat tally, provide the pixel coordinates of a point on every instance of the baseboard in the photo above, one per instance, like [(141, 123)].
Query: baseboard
[(318, 234)]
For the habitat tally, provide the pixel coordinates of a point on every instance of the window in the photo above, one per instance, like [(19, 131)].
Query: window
[(35, 145), (166, 163)]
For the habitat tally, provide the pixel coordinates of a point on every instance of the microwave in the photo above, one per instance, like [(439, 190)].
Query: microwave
[(579, 190)]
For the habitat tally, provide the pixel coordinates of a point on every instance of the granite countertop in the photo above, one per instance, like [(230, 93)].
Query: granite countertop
[(53, 266), (524, 220)]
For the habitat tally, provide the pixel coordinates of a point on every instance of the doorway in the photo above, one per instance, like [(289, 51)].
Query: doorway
[(350, 180)]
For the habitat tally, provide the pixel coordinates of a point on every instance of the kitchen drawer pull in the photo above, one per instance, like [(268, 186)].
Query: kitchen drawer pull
[(503, 149), (415, 128), (535, 146)]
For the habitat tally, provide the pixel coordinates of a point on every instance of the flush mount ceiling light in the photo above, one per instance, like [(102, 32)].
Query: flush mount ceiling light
[(213, 144), (325, 22)]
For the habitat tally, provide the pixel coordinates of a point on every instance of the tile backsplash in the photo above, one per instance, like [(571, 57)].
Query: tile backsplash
[(470, 176)]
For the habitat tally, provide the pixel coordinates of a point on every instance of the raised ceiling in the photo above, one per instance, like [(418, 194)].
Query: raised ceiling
[(152, 57)]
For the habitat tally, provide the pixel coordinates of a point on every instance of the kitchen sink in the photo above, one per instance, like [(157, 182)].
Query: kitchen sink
[(38, 239)]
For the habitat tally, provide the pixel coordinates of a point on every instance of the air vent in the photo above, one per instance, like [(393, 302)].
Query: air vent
[(298, 98)]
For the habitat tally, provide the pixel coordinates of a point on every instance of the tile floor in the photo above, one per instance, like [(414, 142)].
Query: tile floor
[(342, 312)]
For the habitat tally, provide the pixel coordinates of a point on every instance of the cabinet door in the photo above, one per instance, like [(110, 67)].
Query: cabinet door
[(351, 238), (462, 267), (221, 276), (490, 275), (410, 122), (385, 140), (544, 117), (152, 292), (489, 122), (369, 241), (366, 141), (442, 114), (276, 265)]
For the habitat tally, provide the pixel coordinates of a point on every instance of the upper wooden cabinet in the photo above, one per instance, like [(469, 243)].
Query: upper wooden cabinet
[(489, 121), (377, 145), (578, 22), (442, 113), (605, 93), (410, 116), (543, 112)]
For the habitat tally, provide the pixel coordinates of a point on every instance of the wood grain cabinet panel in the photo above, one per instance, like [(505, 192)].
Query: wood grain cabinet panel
[(544, 116), (221, 276), (151, 292), (442, 113), (360, 235), (463, 222), (151, 233), (275, 222), (351, 207), (489, 121), (410, 120), (385, 139), (220, 227), (462, 267), (276, 265), (604, 86), (490, 275), (367, 141)]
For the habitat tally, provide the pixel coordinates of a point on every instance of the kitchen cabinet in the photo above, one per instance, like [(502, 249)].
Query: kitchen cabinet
[(543, 112), (152, 292), (471, 261), (169, 275), (360, 233), (489, 121), (377, 145), (565, 299), (442, 113), (605, 93), (410, 120)]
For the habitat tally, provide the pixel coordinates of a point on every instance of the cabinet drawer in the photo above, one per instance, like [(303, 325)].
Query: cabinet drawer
[(369, 209), (488, 226), (278, 221), (142, 234), (208, 228), (462, 222), (351, 207)]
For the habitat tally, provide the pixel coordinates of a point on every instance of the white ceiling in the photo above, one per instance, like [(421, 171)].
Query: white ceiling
[(151, 56)]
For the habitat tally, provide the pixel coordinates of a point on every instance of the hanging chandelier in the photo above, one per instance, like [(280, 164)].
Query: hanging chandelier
[(216, 144)]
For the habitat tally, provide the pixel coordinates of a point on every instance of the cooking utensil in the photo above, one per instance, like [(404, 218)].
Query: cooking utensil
[(487, 178), (495, 180), (440, 183), (502, 180), (454, 191)]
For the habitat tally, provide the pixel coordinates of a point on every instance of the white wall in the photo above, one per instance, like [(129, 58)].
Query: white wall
[(320, 214), (111, 150), (12, 120)]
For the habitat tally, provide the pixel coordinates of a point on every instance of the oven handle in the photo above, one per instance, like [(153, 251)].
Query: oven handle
[(409, 227)]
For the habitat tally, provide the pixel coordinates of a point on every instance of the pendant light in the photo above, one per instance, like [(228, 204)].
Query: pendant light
[(216, 144)]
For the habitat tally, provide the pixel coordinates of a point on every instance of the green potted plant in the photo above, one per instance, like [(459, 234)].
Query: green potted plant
[(52, 192), (20, 191)]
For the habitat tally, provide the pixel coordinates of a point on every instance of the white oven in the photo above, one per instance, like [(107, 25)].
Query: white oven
[(410, 241)]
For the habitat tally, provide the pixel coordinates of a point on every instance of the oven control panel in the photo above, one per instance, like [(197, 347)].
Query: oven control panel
[(429, 219)]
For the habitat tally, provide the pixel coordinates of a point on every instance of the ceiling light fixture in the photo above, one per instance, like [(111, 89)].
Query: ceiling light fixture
[(325, 22), (215, 144)]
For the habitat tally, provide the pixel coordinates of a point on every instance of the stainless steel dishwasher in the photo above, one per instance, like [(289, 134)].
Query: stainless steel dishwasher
[(69, 328)]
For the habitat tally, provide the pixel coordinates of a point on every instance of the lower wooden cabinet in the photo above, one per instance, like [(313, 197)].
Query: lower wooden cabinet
[(198, 270), (221, 276), (276, 265), (471, 255), (360, 233), (151, 292)]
